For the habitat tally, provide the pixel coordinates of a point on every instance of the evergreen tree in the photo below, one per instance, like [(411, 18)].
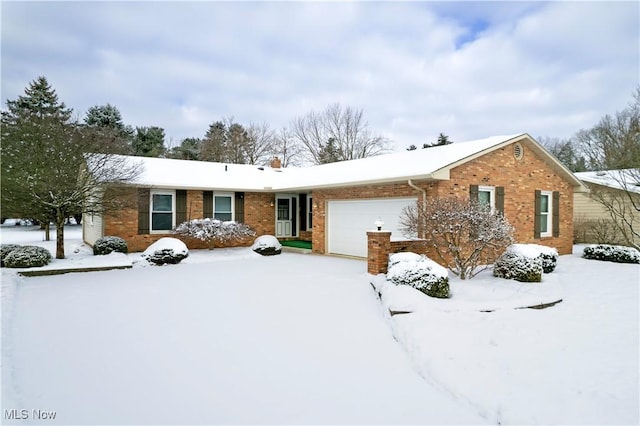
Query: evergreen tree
[(105, 122), (49, 169), (442, 140), (329, 153), (189, 149), (237, 142), (148, 141), (412, 147), (214, 144)]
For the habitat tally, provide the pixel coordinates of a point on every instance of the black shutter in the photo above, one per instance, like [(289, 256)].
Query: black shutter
[(556, 213), (473, 193), (181, 206), (143, 210), (207, 204), (500, 199), (294, 217), (303, 211), (538, 213), (239, 207)]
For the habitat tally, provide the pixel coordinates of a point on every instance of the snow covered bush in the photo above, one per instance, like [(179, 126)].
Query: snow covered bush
[(214, 230), (407, 256), (5, 249), (419, 272), (108, 244), (466, 236), (516, 266), (27, 257), (548, 255), (166, 250), (620, 254), (267, 245)]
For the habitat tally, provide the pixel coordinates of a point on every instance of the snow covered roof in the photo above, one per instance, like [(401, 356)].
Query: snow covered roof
[(433, 163), (625, 179), (205, 175)]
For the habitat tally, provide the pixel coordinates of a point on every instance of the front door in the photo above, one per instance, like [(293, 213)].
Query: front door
[(283, 217)]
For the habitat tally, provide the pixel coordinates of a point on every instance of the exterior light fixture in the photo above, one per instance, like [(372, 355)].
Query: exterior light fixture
[(378, 223)]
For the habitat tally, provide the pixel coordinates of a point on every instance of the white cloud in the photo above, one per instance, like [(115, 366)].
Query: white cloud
[(469, 69)]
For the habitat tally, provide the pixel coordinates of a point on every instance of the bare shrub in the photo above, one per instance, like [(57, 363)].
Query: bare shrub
[(462, 234)]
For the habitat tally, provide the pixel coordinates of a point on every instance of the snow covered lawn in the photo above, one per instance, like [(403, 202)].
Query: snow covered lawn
[(229, 336), (289, 339)]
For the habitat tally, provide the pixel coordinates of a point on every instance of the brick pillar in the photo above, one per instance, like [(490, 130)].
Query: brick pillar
[(378, 246)]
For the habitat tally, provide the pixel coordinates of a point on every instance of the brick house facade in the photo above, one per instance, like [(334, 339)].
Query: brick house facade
[(518, 168)]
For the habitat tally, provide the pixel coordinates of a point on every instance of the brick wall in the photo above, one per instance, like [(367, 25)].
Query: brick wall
[(520, 179), (258, 214), (378, 249)]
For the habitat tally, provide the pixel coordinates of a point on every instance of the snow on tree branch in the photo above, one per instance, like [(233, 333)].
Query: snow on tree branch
[(463, 234)]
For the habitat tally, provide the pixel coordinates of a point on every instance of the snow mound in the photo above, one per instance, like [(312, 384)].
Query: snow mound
[(532, 250), (265, 241), (166, 250), (403, 257), (267, 245), (548, 255), (421, 273)]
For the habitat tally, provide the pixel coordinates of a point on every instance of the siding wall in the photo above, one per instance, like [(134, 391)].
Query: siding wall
[(91, 228)]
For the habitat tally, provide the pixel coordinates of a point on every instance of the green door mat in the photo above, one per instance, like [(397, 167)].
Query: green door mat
[(297, 244)]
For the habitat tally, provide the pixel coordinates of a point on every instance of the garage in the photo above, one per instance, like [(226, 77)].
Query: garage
[(349, 220)]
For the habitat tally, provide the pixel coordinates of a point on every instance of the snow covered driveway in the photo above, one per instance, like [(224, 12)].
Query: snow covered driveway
[(264, 340)]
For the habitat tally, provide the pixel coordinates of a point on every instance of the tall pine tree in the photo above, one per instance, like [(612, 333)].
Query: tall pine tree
[(49, 170)]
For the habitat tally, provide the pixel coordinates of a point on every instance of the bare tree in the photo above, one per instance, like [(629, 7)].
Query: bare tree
[(343, 129), (622, 205), (260, 143), (287, 148), (466, 236), (613, 146), (565, 151), (614, 143)]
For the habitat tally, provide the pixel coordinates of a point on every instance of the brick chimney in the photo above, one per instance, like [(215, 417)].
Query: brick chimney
[(275, 163)]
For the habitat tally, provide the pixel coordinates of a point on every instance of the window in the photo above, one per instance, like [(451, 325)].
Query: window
[(162, 211), (309, 213), (545, 213), (223, 206), (487, 196)]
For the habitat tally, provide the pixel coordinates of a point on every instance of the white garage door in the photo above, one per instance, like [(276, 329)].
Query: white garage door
[(349, 221)]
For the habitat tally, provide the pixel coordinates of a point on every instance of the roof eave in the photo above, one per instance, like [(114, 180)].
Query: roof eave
[(397, 179)]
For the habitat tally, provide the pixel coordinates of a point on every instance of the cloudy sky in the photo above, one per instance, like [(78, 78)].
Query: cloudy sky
[(468, 69)]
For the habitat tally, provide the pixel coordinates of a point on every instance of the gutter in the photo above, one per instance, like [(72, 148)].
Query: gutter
[(424, 200)]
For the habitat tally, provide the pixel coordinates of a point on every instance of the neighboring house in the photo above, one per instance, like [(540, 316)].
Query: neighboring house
[(594, 222), (333, 205)]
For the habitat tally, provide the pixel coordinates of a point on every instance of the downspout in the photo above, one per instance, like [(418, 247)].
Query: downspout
[(424, 201)]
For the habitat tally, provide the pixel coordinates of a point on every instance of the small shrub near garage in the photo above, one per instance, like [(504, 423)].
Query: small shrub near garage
[(548, 255), (516, 266), (419, 272), (109, 244), (27, 257), (611, 253), (267, 245), (166, 250), (5, 249)]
